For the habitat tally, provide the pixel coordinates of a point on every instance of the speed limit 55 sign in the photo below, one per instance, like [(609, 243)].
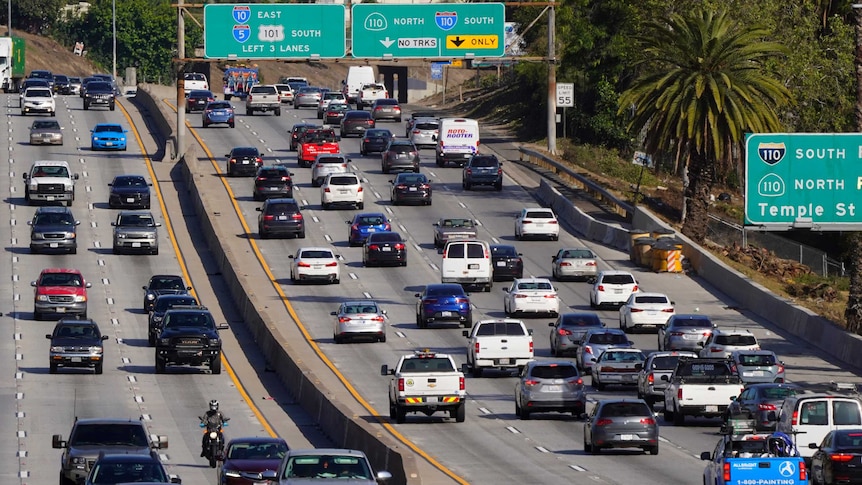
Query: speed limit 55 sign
[(565, 95)]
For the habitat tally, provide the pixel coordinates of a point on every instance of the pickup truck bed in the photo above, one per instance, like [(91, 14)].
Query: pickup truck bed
[(700, 387), (263, 98), (498, 344), (425, 382)]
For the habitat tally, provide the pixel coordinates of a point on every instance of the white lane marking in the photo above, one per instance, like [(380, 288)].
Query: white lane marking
[(17, 297), (434, 266), (19, 395), (19, 375), (11, 222), (665, 440), (463, 206), (542, 449), (14, 241), (315, 219), (89, 189), (91, 206), (478, 222), (389, 210), (417, 246), (21, 453), (401, 226), (19, 356), (127, 360), (485, 410), (139, 398), (353, 276), (114, 321), (147, 417), (376, 195), (17, 336), (132, 378), (400, 334), (577, 468), (14, 277), (105, 281), (12, 189), (14, 259), (367, 295), (432, 174), (119, 340), (164, 457), (110, 301), (304, 202), (513, 430), (101, 262), (22, 433), (496, 241), (327, 237), (24, 474), (84, 172), (97, 244), (93, 224)]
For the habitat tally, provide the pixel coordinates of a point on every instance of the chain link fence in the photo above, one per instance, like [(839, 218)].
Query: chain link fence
[(725, 233)]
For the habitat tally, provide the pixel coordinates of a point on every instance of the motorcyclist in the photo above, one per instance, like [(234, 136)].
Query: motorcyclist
[(213, 420)]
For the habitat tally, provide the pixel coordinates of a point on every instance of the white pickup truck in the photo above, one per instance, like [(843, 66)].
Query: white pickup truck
[(50, 181), (369, 93), (498, 344), (425, 382), (263, 97), (699, 387)]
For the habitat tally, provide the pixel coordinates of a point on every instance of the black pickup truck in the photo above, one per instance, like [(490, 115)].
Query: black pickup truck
[(189, 337)]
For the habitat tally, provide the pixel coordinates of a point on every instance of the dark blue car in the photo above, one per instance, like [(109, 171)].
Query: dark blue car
[(374, 140), (364, 224), (218, 112), (443, 302)]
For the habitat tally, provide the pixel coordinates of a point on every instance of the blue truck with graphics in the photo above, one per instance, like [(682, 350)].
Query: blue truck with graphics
[(744, 457)]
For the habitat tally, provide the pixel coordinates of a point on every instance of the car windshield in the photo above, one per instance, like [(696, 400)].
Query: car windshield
[(690, 322), (618, 279), (535, 285), (445, 291), (99, 86), (194, 76), (608, 338), (427, 364), (108, 128), (324, 160), (338, 107), (189, 319), (244, 152), (539, 215), (167, 284), (256, 451), (581, 321), (109, 434), (577, 254), (378, 134), (650, 299), (426, 126), (343, 180), (51, 171), (622, 409), (138, 220), (776, 393), (129, 182), (219, 105), (667, 362), (457, 223), (611, 356), (379, 237), (487, 162), (76, 331), (309, 90), (554, 371), (54, 219), (500, 328), (126, 472), (38, 93), (164, 304), (371, 220), (360, 307), (735, 340), (61, 279), (316, 253), (756, 359), (45, 125), (327, 467), (503, 251)]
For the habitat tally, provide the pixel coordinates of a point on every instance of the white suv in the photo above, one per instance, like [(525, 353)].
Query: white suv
[(612, 288), (723, 342), (325, 164), (342, 189), (537, 222)]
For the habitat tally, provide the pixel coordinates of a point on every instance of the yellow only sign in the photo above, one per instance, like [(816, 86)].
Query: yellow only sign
[(472, 41)]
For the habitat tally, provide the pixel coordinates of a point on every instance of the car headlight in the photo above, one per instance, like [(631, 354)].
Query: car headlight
[(121, 235), (59, 349), (95, 350), (78, 460), (157, 318), (164, 341), (95, 138), (232, 474), (71, 235), (151, 296), (34, 185), (41, 297), (80, 298)]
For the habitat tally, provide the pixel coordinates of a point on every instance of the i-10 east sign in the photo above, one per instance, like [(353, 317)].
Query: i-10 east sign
[(804, 180)]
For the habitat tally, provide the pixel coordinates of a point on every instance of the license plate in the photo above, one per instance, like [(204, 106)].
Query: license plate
[(107, 143), (54, 245), (431, 399), (343, 191), (75, 359), (245, 162), (536, 298), (412, 189), (386, 249), (712, 409), (618, 292), (472, 266), (446, 314), (130, 199), (501, 264), (317, 266), (754, 373), (281, 218), (371, 229), (627, 437), (49, 198), (552, 389), (61, 310), (539, 224), (505, 361), (690, 337), (651, 312), (136, 244), (628, 377)]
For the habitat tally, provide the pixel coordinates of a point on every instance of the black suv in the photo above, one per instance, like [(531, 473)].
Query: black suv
[(482, 170), (189, 337), (163, 284), (76, 343), (243, 161), (99, 93), (129, 192), (280, 217), (272, 181), (62, 85), (89, 437), (163, 304), (355, 122), (53, 229), (129, 468)]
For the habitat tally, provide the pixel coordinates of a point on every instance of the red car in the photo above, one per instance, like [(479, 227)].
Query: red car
[(246, 458), (60, 291)]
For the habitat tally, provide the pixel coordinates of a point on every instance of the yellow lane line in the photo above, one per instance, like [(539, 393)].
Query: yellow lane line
[(272, 279), (170, 228)]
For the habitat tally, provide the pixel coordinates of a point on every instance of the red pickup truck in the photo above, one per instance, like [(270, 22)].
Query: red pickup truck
[(60, 291), (314, 142)]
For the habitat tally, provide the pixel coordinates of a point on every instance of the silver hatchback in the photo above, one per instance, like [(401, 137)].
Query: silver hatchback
[(325, 164), (754, 366), (549, 385), (359, 319), (685, 332), (424, 132), (621, 423)]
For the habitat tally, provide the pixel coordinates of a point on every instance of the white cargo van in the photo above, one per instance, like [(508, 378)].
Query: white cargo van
[(808, 417), (457, 140), (467, 262), (357, 76)]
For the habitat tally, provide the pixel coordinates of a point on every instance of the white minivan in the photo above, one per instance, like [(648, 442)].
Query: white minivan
[(356, 77), (467, 262), (809, 417), (457, 140)]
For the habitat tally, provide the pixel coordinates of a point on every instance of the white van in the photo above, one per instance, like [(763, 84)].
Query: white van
[(357, 76), (467, 262), (457, 140), (812, 416)]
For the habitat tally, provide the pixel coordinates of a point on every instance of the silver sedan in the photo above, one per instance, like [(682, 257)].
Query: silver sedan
[(46, 132), (359, 319), (685, 332), (574, 263)]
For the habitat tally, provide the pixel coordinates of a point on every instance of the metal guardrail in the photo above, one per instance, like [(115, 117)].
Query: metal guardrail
[(567, 174)]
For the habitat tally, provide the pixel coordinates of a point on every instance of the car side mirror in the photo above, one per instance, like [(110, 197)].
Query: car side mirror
[(48, 336), (270, 475), (29, 223), (144, 288), (384, 370), (551, 324), (291, 257), (813, 446), (673, 303), (158, 224), (33, 283), (733, 398), (465, 368), (75, 176), (258, 209), (433, 137), (465, 333), (57, 441), (25, 175), (700, 344), (88, 285), (530, 331), (227, 154), (104, 337), (631, 343), (505, 290), (593, 359), (706, 456), (417, 295)]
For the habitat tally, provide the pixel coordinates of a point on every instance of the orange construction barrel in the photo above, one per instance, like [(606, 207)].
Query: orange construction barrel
[(663, 233), (643, 246), (634, 235)]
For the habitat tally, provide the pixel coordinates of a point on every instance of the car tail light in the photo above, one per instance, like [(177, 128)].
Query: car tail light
[(285, 179), (387, 227), (354, 227), (429, 301), (588, 350), (461, 384), (366, 140), (233, 160), (399, 246), (260, 179), (650, 378), (648, 421), (401, 384), (676, 334), (607, 369), (553, 221), (258, 160), (296, 217), (604, 422), (576, 381), (374, 247), (531, 346), (667, 310), (208, 111), (250, 97), (551, 296), (715, 349), (332, 264), (530, 382), (794, 419), (526, 222), (564, 331), (462, 300), (803, 472), (725, 471), (378, 108), (210, 99), (401, 186), (733, 368), (840, 457), (327, 189), (590, 263), (303, 265), (343, 319), (377, 319), (565, 264), (416, 132), (476, 348), (679, 393), (269, 217), (424, 186), (359, 189), (780, 368), (520, 296), (469, 171), (636, 310), (635, 289), (600, 288), (500, 171), (766, 407)]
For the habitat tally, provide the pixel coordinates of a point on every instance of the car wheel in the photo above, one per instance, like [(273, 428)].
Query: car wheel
[(588, 447), (517, 409), (400, 414), (278, 111), (653, 450), (53, 368), (215, 365), (392, 414), (249, 112), (556, 351), (301, 235), (112, 107), (231, 125), (99, 368), (151, 341), (678, 418), (460, 413), (525, 415), (360, 206), (160, 366), (382, 338), (476, 371), (623, 325), (498, 187)]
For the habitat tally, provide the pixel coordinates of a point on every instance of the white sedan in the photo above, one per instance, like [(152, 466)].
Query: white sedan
[(315, 264), (531, 295), (537, 222), (645, 310)]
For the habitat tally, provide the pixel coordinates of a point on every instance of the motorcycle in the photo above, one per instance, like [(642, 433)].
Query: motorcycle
[(214, 450)]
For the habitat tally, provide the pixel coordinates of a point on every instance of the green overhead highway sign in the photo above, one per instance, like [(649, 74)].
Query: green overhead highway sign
[(804, 180), (274, 31), (428, 30)]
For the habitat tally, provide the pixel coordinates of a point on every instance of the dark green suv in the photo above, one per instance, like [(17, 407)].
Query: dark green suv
[(482, 170)]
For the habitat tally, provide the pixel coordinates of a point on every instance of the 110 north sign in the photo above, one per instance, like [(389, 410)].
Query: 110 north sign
[(803, 180)]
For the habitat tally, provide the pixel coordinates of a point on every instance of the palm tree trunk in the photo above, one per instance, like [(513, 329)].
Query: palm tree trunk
[(853, 311), (701, 175)]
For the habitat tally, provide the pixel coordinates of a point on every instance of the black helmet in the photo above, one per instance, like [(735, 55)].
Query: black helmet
[(214, 405)]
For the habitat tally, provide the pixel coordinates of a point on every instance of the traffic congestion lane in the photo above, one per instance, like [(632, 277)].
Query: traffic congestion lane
[(49, 403)]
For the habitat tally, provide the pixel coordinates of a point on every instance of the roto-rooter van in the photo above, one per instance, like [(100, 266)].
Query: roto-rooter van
[(457, 140)]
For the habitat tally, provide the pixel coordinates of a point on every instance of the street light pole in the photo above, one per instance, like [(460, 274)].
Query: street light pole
[(114, 26), (9, 18)]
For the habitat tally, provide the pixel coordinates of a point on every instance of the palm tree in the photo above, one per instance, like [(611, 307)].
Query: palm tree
[(703, 86)]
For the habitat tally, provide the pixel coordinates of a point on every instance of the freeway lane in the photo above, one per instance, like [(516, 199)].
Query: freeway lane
[(48, 404), (492, 446)]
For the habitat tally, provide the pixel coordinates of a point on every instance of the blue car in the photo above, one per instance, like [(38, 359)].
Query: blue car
[(108, 136), (364, 224), (443, 302), (218, 112)]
